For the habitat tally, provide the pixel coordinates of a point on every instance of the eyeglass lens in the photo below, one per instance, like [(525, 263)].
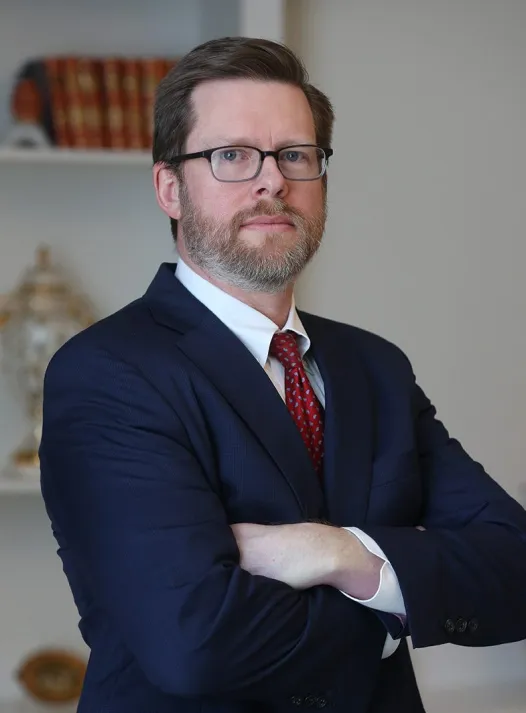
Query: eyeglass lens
[(241, 163)]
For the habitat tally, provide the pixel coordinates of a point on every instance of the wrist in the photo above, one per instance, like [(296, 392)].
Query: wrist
[(353, 568)]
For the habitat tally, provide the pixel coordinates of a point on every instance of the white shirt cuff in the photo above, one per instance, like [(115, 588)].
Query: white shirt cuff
[(390, 646), (388, 597)]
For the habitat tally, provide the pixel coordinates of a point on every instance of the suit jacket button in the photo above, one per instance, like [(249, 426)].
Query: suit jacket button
[(473, 625), (321, 703), (461, 625), (449, 626), (310, 701), (296, 700)]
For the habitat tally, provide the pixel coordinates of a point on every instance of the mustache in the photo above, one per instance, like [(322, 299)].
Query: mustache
[(270, 209)]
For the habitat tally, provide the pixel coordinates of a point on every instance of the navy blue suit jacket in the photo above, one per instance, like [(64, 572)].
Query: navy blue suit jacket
[(161, 430)]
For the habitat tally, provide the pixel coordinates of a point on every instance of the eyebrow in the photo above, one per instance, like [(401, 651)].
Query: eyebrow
[(244, 141)]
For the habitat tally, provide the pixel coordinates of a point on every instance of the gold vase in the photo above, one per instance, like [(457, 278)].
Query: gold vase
[(37, 318)]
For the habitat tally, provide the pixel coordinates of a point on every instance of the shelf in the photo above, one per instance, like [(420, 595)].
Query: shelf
[(11, 485), (75, 156), (28, 706)]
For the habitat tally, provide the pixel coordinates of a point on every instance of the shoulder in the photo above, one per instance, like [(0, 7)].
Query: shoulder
[(120, 338), (376, 352)]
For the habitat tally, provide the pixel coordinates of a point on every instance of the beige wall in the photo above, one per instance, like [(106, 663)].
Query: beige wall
[(426, 236)]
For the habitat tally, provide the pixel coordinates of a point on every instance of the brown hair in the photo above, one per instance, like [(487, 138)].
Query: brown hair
[(228, 58)]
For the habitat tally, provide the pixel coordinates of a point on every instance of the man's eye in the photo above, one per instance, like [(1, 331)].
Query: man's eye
[(293, 156), (231, 155)]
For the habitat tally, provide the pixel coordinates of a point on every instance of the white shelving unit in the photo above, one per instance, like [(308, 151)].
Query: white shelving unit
[(11, 485), (26, 706), (70, 156), (103, 225)]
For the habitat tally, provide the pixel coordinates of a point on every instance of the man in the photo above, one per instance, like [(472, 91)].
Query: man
[(256, 507)]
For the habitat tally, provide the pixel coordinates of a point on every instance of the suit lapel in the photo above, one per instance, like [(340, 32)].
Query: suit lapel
[(348, 423), (231, 369)]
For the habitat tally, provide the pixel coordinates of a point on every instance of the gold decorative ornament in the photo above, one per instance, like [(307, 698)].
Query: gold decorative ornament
[(27, 109), (37, 318), (52, 675)]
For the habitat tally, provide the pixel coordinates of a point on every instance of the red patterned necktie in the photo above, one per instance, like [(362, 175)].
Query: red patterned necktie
[(300, 398)]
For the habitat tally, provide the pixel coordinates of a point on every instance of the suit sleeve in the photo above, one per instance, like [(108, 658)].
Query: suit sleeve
[(463, 580), (152, 539)]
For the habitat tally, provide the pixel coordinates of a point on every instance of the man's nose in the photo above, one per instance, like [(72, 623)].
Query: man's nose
[(270, 181)]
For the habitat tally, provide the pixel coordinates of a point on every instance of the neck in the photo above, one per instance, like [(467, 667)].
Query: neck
[(274, 305)]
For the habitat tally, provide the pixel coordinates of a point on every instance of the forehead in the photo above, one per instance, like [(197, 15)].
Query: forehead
[(266, 113)]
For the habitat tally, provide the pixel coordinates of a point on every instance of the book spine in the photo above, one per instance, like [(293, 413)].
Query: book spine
[(55, 69), (74, 110), (132, 103), (88, 79), (114, 136), (151, 75)]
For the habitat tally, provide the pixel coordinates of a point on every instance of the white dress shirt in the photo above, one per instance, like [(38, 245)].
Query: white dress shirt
[(255, 331)]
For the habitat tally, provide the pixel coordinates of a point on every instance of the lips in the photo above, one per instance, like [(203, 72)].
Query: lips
[(269, 220)]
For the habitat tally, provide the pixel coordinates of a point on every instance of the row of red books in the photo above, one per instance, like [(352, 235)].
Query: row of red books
[(91, 102)]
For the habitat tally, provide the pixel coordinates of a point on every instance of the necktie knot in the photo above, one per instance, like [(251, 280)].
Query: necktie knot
[(284, 348)]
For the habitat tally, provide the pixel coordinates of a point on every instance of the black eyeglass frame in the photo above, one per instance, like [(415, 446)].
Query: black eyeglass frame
[(207, 153)]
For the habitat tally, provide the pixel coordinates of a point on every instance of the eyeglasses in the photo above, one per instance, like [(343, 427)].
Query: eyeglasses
[(233, 164)]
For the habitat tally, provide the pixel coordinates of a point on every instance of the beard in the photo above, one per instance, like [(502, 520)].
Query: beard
[(217, 248)]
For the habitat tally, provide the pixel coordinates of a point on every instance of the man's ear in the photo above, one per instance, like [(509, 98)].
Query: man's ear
[(167, 187)]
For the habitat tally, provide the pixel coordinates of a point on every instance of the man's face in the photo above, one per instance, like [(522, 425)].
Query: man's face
[(259, 234)]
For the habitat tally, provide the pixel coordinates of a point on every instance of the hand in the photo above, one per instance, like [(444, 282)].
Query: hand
[(294, 554), (308, 554)]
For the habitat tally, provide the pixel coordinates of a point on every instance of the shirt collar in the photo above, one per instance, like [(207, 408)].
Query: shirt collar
[(253, 328)]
